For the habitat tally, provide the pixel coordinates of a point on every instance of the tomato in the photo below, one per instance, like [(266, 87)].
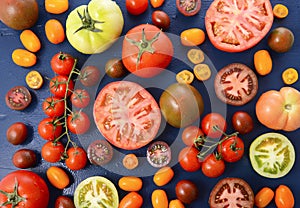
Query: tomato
[(19, 15), (202, 72), (34, 79), (159, 199), (181, 104), (130, 161), (96, 190), (185, 76), (263, 62), (272, 155), (280, 11), (115, 68), (18, 98), (290, 76), (146, 50), (186, 191), (62, 63), (50, 128), (279, 110), (231, 149), (231, 192), (235, 27), (100, 152), (163, 176), (23, 58), (176, 203), (263, 197), (192, 37), (136, 7), (89, 76), (188, 7), (76, 158), (242, 122), (59, 85), (158, 154), (130, 183), (53, 106), (80, 98), (56, 6), (57, 177), (213, 166), (78, 122), (26, 189), (89, 27), (236, 84), (281, 39), (284, 197), (160, 19), (156, 3), (188, 159), (210, 122), (131, 200), (190, 133), (55, 32), (24, 158), (64, 202), (127, 115), (30, 40), (52, 151), (17, 133), (196, 56)]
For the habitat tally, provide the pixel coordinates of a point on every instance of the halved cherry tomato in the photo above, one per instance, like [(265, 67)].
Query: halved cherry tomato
[(264, 197), (185, 76), (284, 197), (280, 11), (34, 79), (131, 200), (55, 32), (159, 199), (18, 98), (156, 3), (163, 176), (130, 183), (57, 177), (202, 72), (196, 56), (290, 76), (56, 6), (23, 58), (130, 161), (188, 7), (30, 40), (192, 37), (263, 62)]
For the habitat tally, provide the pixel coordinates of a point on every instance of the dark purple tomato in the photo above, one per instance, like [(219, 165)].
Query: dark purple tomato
[(100, 152), (18, 98), (186, 191), (161, 19), (64, 202), (114, 68), (188, 7), (16, 133), (281, 39), (242, 122), (159, 154), (24, 158), (90, 76)]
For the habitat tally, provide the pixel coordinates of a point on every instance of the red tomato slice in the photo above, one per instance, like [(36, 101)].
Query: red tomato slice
[(235, 26), (127, 115)]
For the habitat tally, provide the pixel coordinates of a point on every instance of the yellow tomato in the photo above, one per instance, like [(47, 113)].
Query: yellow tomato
[(23, 57), (202, 72), (185, 76), (30, 40), (192, 37), (58, 177), (159, 199), (55, 32), (290, 76), (196, 56), (130, 183), (56, 6), (263, 62), (34, 79), (280, 11)]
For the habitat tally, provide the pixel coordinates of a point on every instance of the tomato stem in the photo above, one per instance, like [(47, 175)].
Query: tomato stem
[(87, 22), (12, 198)]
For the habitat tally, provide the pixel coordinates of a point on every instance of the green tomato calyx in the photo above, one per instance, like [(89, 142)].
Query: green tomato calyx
[(87, 22), (12, 198)]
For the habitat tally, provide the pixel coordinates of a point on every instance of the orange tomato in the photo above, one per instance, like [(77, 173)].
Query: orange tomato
[(55, 32), (159, 199), (130, 161), (176, 203), (263, 197), (163, 176), (280, 11), (58, 177), (131, 200), (185, 76), (30, 40), (290, 76), (56, 6), (196, 56), (130, 183), (156, 3), (192, 37), (23, 57), (263, 62), (284, 197), (202, 72)]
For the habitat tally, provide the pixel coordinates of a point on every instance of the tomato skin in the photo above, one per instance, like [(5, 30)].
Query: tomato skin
[(188, 159), (23, 58), (284, 197), (57, 177), (49, 128), (55, 32), (131, 200), (192, 37), (78, 122), (53, 106), (89, 76), (232, 149), (136, 7), (64, 202), (159, 199), (190, 133), (264, 197), (80, 98), (186, 191), (281, 39), (209, 121), (242, 122), (263, 62), (24, 158), (160, 19), (184, 7), (58, 86), (16, 133), (212, 166), (176, 203), (76, 158), (163, 176), (114, 68), (56, 6), (52, 151), (30, 40), (62, 63), (130, 183)]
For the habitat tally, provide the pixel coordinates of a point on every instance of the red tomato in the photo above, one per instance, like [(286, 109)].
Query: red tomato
[(76, 158), (89, 76), (235, 27), (231, 149), (136, 7), (210, 122), (50, 128), (188, 159), (80, 98), (188, 7), (32, 191), (242, 122), (59, 85), (52, 151), (64, 202), (53, 106), (160, 19), (213, 166), (62, 63), (131, 200), (146, 50), (127, 115), (78, 122), (189, 135)]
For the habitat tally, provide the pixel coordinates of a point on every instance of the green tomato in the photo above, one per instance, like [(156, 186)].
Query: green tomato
[(89, 27)]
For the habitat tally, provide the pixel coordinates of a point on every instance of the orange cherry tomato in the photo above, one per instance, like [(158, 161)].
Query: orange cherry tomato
[(280, 11), (262, 62), (192, 37), (58, 177), (284, 197), (159, 199), (290, 76), (30, 40), (185, 76), (131, 200), (263, 197), (130, 183), (56, 6), (202, 72), (55, 32), (156, 3), (34, 79), (23, 57), (196, 56), (163, 176), (130, 161), (176, 203)]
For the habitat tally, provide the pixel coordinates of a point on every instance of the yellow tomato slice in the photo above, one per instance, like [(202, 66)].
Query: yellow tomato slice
[(290, 76), (202, 72), (280, 11), (196, 56), (185, 76), (34, 79)]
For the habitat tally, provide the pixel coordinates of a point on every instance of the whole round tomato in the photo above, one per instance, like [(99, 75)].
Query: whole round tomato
[(146, 50), (76, 158), (279, 110), (186, 191), (235, 27), (24, 158), (17, 133), (136, 7), (89, 76), (242, 122), (50, 128), (52, 151), (231, 149), (115, 68), (78, 122), (213, 166), (64, 202), (53, 106), (191, 133), (127, 115), (89, 27), (160, 19), (80, 98), (59, 85), (188, 7), (188, 159), (210, 122), (31, 190), (281, 39), (62, 63)]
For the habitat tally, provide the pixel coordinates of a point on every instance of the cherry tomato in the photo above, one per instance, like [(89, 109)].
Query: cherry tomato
[(57, 177), (115, 68), (17, 133), (100, 152), (281, 39), (130, 183), (202, 72), (280, 11), (56, 6), (188, 7), (30, 40), (131, 200), (156, 3), (161, 19), (76, 158), (263, 62), (64, 202), (89, 76), (50, 128), (34, 79), (242, 122), (212, 166), (55, 32), (190, 133), (23, 58), (192, 37), (80, 98), (159, 154), (52, 151), (136, 7), (62, 63), (284, 197), (176, 203), (185, 77), (78, 122), (196, 56), (264, 197), (163, 176), (24, 158), (130, 161), (18, 98), (188, 159), (290, 76), (159, 199), (53, 106), (59, 85), (186, 191), (231, 149), (210, 122)]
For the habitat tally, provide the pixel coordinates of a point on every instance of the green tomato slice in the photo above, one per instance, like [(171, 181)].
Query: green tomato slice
[(96, 192), (272, 155)]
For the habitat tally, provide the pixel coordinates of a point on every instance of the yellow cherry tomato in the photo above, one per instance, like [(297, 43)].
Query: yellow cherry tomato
[(280, 11), (55, 32), (263, 62), (56, 6), (163, 176), (192, 37), (159, 199), (176, 203), (290, 76), (202, 72), (23, 57), (185, 76), (34, 79), (196, 56), (58, 177), (130, 183), (130, 161), (30, 40)]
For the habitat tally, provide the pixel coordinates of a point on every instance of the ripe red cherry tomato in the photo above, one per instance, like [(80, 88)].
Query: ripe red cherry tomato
[(191, 133), (80, 98), (58, 86), (213, 166), (232, 149), (78, 122), (212, 120), (76, 158), (136, 7), (188, 159), (52, 151), (186, 191), (62, 63), (49, 128), (53, 106)]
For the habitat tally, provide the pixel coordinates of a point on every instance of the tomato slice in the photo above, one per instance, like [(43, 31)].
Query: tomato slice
[(235, 26), (272, 155), (100, 152), (18, 98), (127, 115)]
